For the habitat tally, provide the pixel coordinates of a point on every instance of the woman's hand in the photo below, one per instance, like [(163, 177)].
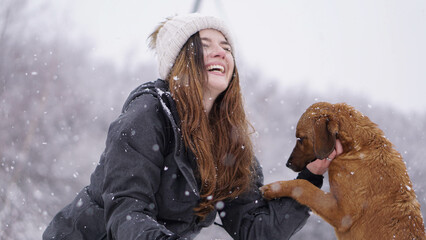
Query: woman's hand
[(320, 166)]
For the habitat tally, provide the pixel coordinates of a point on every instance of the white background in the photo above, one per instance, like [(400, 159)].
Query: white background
[(372, 48)]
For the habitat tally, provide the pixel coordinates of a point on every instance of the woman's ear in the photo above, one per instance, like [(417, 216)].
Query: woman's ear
[(324, 138)]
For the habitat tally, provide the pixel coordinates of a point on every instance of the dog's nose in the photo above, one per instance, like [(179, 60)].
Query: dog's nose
[(289, 161)]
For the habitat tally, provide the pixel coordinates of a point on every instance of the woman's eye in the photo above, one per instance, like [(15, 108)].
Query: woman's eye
[(227, 49)]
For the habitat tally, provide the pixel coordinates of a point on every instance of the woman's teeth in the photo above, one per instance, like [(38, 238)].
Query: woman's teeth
[(217, 68)]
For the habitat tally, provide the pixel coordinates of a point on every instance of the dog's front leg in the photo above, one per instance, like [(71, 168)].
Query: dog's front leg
[(322, 203)]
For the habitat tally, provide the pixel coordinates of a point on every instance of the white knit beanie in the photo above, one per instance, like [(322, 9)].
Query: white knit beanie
[(176, 31)]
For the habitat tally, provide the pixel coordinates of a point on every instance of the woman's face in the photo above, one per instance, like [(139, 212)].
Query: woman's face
[(218, 60)]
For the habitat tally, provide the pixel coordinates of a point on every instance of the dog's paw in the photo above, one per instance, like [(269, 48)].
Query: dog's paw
[(271, 191)]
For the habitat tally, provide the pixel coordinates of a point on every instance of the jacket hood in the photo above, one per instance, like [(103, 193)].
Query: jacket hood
[(156, 88)]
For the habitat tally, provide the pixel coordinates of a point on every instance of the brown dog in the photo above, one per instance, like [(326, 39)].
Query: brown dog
[(371, 195)]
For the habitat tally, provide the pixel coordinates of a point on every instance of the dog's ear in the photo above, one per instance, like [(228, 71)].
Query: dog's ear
[(324, 137)]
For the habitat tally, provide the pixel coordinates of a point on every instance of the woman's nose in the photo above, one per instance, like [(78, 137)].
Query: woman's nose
[(217, 51)]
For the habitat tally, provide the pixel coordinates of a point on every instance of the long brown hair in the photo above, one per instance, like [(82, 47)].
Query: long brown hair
[(220, 140)]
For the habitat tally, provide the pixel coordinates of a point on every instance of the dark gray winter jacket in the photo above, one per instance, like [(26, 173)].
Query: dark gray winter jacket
[(145, 187)]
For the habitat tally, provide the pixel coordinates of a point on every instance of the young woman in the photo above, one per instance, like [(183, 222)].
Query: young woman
[(180, 153)]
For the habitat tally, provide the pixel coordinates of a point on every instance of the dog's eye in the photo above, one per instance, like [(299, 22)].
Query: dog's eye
[(300, 140)]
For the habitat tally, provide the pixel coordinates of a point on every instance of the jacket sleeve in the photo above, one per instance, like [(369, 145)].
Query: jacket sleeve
[(134, 157), (251, 217)]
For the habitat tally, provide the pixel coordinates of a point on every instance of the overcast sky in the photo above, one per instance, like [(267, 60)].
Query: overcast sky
[(374, 48)]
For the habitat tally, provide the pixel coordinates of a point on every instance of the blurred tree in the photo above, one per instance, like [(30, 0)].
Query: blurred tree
[(35, 130)]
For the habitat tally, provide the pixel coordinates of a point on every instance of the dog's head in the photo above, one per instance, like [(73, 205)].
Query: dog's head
[(316, 134)]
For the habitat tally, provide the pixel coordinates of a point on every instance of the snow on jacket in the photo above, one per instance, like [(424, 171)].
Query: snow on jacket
[(145, 187)]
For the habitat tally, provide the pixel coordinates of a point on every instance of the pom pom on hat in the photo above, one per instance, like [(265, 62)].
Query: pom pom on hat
[(169, 38)]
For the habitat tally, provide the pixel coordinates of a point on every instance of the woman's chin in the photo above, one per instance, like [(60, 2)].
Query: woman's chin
[(217, 83)]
